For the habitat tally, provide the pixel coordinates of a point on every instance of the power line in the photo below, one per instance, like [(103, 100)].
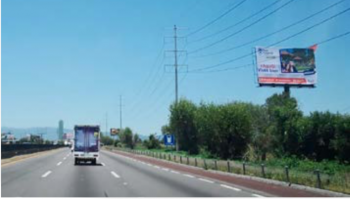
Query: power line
[(273, 33), (313, 26), (234, 25), (221, 70), (216, 19), (149, 77), (333, 38), (280, 41), (241, 30)]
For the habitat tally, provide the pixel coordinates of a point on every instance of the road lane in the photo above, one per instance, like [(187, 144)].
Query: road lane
[(154, 181), (19, 177), (119, 176)]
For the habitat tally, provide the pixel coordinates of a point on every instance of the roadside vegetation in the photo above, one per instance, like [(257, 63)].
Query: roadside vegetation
[(276, 134)]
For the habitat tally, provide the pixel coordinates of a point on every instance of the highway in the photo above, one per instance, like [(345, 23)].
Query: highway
[(55, 175), (118, 174)]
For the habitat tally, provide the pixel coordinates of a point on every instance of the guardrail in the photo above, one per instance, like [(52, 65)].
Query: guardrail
[(10, 150), (315, 178)]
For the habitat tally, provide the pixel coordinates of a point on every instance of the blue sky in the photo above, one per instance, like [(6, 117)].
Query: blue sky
[(72, 60)]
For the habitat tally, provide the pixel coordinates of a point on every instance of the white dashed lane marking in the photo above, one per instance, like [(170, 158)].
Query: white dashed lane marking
[(256, 195), (157, 167), (165, 169), (174, 172), (58, 164), (103, 164), (64, 158), (46, 174), (205, 180), (232, 188), (188, 176), (114, 174)]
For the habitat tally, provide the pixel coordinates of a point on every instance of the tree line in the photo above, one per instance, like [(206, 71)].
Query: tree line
[(241, 130)]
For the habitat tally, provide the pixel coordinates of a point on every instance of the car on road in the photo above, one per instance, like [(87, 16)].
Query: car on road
[(86, 144)]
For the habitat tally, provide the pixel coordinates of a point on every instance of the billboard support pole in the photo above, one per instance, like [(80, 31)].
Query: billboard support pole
[(287, 90)]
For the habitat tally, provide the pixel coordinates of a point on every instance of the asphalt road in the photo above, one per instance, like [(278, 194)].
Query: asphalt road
[(55, 175)]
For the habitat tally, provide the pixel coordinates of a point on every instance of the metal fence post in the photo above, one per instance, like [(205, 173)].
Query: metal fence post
[(318, 177), (216, 165), (195, 162), (169, 157), (228, 166), (263, 170), (181, 159), (243, 168), (174, 158), (205, 164), (287, 173), (188, 161)]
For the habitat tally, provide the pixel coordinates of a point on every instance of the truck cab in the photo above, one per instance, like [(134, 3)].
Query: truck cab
[(86, 144)]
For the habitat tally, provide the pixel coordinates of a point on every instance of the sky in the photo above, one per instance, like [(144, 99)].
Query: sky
[(72, 60)]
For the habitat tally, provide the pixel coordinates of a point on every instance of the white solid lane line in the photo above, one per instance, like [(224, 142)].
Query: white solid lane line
[(188, 176), (46, 174), (149, 165), (103, 164), (165, 169), (114, 174), (256, 195), (205, 180), (58, 164), (157, 167), (228, 187)]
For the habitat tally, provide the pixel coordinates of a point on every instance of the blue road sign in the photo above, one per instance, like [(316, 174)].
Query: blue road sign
[(169, 140)]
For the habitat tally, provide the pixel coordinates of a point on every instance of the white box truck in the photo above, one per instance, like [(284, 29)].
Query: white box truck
[(86, 144)]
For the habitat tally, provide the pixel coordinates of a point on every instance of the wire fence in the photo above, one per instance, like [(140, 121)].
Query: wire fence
[(339, 182)]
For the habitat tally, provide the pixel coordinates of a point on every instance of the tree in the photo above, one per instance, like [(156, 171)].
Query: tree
[(341, 141), (126, 137), (152, 142), (136, 139), (284, 116), (182, 122), (106, 140), (166, 130)]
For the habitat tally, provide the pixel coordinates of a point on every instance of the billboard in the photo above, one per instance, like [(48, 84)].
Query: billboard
[(114, 131), (286, 66)]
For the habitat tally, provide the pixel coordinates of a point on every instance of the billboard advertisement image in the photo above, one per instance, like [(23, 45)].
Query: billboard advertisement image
[(286, 66), (114, 131)]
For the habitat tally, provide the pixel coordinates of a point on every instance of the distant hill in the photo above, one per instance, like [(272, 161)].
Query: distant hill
[(50, 133)]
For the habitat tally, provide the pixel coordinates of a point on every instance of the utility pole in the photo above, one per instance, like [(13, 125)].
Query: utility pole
[(175, 64), (176, 83), (106, 123), (121, 112)]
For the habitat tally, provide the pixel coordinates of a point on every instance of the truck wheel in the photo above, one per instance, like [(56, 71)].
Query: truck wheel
[(75, 162), (94, 162)]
